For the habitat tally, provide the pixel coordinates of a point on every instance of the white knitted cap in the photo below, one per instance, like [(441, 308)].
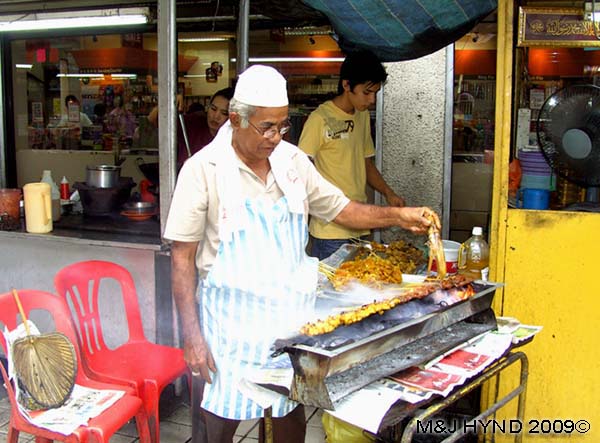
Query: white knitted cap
[(261, 85)]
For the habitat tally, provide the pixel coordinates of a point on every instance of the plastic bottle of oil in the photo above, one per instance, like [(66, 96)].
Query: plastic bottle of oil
[(54, 193), (474, 256)]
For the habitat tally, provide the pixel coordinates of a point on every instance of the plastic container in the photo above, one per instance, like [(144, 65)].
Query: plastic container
[(38, 207), (451, 249), (339, 431), (10, 209), (54, 194), (474, 256), (533, 198)]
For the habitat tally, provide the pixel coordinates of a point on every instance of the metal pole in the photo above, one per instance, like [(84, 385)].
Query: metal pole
[(269, 425), (242, 37), (167, 95), (378, 150), (3, 144), (448, 124), (185, 136)]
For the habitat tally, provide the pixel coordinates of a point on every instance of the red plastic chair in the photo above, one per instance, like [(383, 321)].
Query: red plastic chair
[(100, 428), (145, 366)]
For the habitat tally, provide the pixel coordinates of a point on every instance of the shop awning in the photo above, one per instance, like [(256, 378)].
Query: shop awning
[(394, 29), (401, 29)]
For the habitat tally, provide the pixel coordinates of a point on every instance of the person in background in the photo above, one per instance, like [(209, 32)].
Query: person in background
[(70, 119), (200, 127), (99, 114), (337, 137), (121, 121), (238, 219)]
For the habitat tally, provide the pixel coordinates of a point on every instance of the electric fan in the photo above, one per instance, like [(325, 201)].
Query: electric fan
[(568, 131)]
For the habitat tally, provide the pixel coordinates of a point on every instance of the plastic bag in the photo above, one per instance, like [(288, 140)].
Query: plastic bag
[(514, 177), (339, 431)]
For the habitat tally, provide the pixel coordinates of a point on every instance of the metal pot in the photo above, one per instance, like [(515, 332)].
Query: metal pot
[(102, 176)]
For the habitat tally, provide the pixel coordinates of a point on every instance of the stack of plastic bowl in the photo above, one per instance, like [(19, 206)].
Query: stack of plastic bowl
[(536, 173)]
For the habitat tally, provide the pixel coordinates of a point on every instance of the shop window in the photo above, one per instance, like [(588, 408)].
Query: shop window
[(473, 130)]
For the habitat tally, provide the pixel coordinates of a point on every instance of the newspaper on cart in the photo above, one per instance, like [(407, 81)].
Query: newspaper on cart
[(83, 403), (437, 377)]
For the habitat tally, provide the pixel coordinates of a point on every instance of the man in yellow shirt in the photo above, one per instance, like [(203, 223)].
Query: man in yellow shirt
[(337, 136)]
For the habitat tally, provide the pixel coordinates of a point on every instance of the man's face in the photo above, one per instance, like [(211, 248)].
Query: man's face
[(218, 113), (249, 143), (363, 96)]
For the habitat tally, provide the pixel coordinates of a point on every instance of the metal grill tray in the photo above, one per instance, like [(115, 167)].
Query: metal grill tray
[(331, 366)]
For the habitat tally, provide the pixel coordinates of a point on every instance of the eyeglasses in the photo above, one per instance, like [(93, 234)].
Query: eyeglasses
[(272, 131)]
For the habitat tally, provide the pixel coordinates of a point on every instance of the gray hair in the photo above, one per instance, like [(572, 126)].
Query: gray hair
[(243, 110)]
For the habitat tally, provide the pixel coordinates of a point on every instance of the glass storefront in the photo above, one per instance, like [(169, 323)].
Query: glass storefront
[(81, 99)]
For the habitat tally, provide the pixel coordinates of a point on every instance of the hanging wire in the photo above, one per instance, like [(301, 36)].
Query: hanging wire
[(216, 13)]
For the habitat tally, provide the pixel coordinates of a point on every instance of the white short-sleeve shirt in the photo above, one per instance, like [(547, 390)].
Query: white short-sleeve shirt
[(194, 212)]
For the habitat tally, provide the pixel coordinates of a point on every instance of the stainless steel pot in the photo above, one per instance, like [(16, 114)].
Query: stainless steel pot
[(102, 176)]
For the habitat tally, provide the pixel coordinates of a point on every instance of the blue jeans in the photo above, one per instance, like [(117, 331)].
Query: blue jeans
[(323, 248)]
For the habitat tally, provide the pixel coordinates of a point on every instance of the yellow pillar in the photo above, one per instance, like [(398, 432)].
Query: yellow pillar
[(547, 260)]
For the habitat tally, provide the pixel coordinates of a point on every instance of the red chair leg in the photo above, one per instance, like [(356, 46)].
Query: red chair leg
[(151, 399), (141, 422), (37, 439), (13, 435)]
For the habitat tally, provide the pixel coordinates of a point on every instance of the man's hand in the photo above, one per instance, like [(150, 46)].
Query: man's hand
[(183, 280), (198, 357), (418, 220)]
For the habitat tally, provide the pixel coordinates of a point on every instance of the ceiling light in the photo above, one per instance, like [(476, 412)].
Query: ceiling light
[(123, 75), (194, 75), (203, 39), (75, 19), (308, 30), (294, 59), (79, 75), (23, 66)]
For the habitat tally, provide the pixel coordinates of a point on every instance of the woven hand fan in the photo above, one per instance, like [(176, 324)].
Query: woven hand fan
[(45, 365)]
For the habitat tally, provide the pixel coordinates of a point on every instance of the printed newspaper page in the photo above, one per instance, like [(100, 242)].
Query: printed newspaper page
[(84, 404)]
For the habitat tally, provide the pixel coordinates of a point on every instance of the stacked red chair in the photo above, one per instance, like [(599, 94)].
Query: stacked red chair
[(145, 366), (99, 429)]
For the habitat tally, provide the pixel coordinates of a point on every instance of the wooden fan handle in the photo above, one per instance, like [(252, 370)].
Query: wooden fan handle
[(21, 311)]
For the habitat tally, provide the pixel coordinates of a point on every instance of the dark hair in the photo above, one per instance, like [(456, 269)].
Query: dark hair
[(100, 109), (361, 67), (195, 107), (225, 93), (70, 98)]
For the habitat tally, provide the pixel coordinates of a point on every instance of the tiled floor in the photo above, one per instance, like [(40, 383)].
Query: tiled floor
[(175, 427)]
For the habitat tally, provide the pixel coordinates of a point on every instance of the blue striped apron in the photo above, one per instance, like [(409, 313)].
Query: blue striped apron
[(260, 287)]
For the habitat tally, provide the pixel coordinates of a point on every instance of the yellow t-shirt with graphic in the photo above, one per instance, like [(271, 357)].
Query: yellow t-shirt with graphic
[(338, 143)]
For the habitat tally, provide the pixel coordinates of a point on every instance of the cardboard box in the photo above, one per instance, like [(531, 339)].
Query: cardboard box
[(471, 187)]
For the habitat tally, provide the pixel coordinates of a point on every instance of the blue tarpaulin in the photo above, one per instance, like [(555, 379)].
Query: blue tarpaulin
[(398, 30)]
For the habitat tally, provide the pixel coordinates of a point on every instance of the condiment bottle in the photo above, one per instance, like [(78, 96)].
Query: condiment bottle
[(474, 256), (54, 194), (65, 192)]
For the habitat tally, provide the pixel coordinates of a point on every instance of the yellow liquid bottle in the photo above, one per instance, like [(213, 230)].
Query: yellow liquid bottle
[(474, 256)]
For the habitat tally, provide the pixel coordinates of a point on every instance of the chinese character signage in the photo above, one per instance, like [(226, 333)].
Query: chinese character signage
[(557, 27)]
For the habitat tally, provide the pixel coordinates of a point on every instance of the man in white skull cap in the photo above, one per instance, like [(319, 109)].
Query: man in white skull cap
[(239, 218)]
